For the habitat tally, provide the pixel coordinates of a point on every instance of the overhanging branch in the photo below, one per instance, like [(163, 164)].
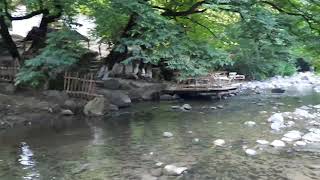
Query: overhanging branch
[(308, 19), (192, 10), (205, 27)]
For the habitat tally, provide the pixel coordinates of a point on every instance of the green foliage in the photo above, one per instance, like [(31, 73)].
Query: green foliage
[(262, 45), (62, 51), (256, 38), (156, 39)]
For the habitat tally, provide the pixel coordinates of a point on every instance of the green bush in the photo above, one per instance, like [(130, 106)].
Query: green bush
[(62, 51)]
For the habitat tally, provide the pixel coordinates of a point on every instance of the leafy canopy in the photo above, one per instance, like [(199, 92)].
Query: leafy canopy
[(62, 51), (259, 38)]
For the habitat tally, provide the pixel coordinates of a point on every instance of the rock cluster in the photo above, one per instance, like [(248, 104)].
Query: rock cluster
[(301, 82)]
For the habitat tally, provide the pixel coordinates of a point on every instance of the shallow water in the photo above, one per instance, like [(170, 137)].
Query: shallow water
[(128, 145)]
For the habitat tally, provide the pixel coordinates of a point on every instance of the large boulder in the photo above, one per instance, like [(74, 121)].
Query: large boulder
[(147, 93), (312, 136), (115, 84), (95, 107), (301, 113), (118, 98)]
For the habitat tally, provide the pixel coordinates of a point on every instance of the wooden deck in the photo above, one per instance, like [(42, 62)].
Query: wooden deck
[(201, 91), (212, 85)]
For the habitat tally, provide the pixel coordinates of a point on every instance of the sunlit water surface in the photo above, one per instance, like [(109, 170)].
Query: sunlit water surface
[(128, 145)]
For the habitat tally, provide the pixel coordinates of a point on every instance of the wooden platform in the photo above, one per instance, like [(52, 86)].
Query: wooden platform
[(201, 90)]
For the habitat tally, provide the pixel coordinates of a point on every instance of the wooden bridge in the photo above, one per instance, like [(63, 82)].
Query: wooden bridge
[(215, 84)]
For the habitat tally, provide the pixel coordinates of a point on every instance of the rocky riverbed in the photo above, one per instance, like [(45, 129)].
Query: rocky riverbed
[(298, 84), (260, 135)]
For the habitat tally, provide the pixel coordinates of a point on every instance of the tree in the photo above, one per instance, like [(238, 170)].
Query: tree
[(51, 11), (174, 32), (63, 50), (257, 37)]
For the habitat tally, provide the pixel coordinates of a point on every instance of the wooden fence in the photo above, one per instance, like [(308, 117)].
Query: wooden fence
[(8, 73), (79, 86)]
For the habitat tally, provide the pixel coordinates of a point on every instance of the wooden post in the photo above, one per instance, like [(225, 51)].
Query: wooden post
[(64, 81)]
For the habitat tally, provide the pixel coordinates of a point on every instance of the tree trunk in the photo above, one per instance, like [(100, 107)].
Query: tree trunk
[(116, 56), (7, 38), (38, 35)]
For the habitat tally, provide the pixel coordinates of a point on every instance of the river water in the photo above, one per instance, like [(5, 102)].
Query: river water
[(128, 145)]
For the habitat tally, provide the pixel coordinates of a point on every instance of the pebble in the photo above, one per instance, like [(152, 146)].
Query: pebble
[(312, 136), (251, 152), (156, 172), (293, 135), (250, 123), (175, 107), (300, 143), (286, 139), (196, 140), (67, 112), (317, 106), (187, 107), (278, 143), (277, 126), (167, 134), (263, 142), (290, 123), (219, 142), (314, 123), (174, 170), (159, 164), (277, 117), (220, 107)]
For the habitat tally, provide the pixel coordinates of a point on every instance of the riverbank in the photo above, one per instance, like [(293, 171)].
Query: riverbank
[(28, 107)]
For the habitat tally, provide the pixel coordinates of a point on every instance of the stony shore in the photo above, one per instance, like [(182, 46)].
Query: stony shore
[(26, 107)]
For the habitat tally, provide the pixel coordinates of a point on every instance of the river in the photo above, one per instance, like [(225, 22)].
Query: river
[(128, 145)]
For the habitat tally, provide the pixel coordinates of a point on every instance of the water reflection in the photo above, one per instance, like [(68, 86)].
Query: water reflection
[(28, 163), (98, 133)]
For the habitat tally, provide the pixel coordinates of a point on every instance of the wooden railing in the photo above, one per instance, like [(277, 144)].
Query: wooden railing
[(8, 73), (80, 86)]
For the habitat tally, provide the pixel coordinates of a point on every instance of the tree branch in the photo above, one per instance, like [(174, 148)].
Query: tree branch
[(205, 27), (232, 10), (192, 10), (28, 16), (309, 20)]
